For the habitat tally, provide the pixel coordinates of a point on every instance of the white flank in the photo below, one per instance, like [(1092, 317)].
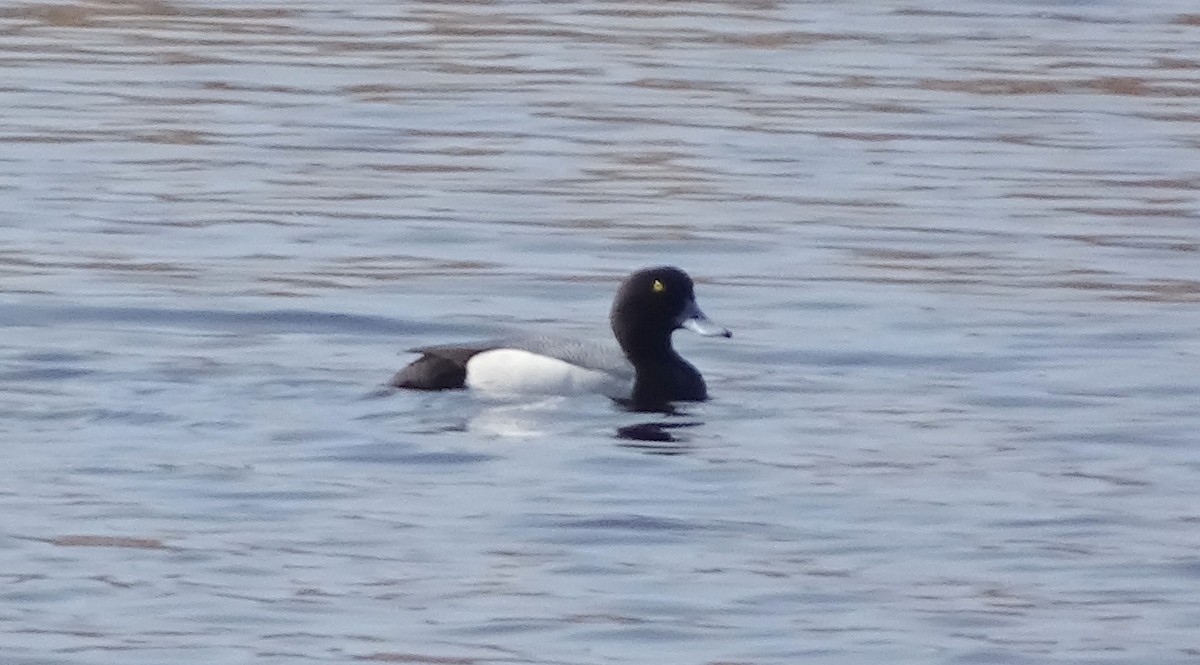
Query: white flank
[(514, 371)]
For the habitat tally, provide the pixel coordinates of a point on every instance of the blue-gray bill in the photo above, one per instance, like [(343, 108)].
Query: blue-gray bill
[(694, 320)]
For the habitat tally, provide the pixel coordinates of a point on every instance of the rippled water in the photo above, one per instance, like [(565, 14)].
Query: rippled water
[(957, 243)]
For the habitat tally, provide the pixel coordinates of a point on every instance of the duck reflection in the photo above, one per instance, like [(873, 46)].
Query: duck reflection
[(657, 437), (664, 431)]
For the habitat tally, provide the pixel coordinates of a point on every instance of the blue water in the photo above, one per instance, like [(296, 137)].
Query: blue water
[(956, 245)]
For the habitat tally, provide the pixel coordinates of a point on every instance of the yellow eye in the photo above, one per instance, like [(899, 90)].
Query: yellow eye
[(658, 287)]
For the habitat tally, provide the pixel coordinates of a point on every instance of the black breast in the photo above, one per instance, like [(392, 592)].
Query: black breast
[(660, 383)]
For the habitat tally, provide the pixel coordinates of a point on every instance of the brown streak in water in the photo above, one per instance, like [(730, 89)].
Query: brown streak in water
[(1162, 291), (350, 196), (173, 137), (863, 136), (895, 108), (1159, 183), (429, 168), (684, 84), (1187, 19), (191, 59), (1176, 63), (302, 283), (499, 70), (1042, 196), (1025, 139), (1130, 212), (59, 16), (992, 86), (1170, 117), (106, 541), (624, 12), (1113, 85), (899, 255), (76, 16), (57, 138), (604, 618), (854, 82), (108, 264), (225, 86), (773, 40), (1107, 478), (1131, 242), (385, 657), (942, 13), (640, 10), (1123, 85)]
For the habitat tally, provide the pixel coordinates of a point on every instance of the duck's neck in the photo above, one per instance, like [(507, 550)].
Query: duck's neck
[(652, 357), (645, 349)]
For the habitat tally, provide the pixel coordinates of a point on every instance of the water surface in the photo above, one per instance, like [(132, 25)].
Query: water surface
[(957, 246)]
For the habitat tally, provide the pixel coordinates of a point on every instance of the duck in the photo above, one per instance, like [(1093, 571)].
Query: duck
[(643, 370)]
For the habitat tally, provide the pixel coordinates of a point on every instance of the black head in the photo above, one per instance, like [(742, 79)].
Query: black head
[(653, 303)]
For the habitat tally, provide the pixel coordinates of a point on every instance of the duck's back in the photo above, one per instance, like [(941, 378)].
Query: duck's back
[(545, 365)]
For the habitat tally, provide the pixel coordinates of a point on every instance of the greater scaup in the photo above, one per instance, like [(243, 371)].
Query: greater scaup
[(649, 306)]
